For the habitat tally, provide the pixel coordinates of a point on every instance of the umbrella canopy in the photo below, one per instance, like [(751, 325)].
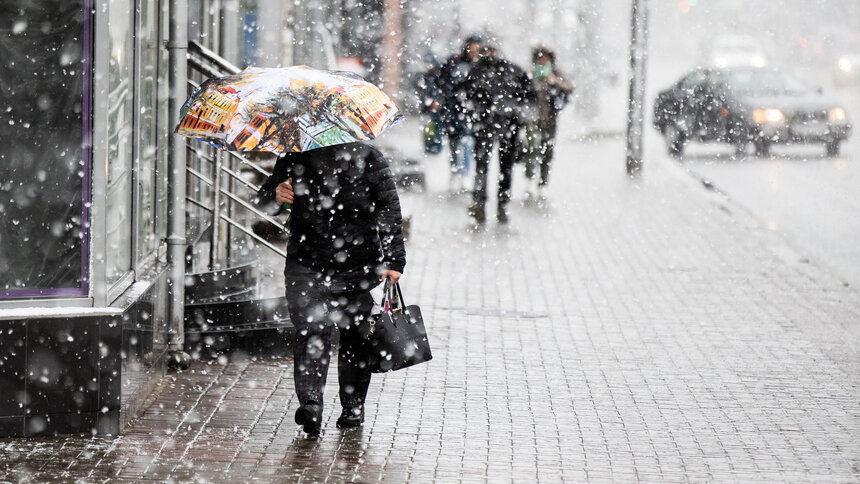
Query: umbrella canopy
[(284, 110)]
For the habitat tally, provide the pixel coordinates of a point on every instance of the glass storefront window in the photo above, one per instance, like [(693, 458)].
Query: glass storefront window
[(44, 179), (120, 140), (164, 122), (146, 148)]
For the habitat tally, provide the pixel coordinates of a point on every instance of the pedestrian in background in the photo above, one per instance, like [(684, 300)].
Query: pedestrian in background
[(447, 98), (428, 92), (345, 236), (501, 100), (553, 91)]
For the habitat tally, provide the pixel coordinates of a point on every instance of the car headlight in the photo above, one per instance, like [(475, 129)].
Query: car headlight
[(762, 116), (720, 61), (845, 65), (837, 114), (758, 61)]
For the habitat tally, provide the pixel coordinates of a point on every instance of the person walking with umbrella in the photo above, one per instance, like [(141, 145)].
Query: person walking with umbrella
[(345, 237), (345, 222)]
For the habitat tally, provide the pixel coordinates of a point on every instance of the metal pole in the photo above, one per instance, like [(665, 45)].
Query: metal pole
[(231, 212), (269, 33), (231, 31), (391, 43), (215, 238), (176, 160), (214, 17), (288, 34), (300, 36), (636, 104), (589, 65), (230, 49), (327, 44)]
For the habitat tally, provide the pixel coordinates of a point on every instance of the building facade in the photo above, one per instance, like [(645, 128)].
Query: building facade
[(90, 315), (84, 316)]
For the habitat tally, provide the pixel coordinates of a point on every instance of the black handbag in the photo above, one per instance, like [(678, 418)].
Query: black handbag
[(396, 338)]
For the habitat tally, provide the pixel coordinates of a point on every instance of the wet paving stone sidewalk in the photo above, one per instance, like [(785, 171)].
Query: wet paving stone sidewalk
[(622, 332)]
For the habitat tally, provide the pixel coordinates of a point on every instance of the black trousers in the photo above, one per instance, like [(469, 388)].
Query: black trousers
[(317, 306), (504, 131)]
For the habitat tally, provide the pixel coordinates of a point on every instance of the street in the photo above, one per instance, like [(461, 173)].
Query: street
[(799, 193), (632, 331), (809, 199)]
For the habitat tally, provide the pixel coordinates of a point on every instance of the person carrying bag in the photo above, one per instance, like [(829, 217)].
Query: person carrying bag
[(346, 237)]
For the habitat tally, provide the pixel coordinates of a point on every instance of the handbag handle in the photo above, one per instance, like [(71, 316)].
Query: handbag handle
[(399, 295), (387, 297), (389, 293)]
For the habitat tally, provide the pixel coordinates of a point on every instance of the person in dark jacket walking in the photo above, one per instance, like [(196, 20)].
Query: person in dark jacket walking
[(501, 100), (446, 99), (552, 89), (345, 237)]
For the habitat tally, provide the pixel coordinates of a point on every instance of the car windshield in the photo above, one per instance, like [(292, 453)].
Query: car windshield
[(762, 82)]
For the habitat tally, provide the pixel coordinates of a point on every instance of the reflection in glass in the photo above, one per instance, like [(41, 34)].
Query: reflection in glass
[(146, 149), (164, 123), (120, 140), (42, 169)]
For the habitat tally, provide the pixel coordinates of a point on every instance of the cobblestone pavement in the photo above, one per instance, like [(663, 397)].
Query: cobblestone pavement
[(630, 331)]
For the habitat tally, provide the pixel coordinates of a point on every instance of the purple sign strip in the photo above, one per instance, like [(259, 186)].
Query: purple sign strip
[(84, 290), (87, 150), (52, 292)]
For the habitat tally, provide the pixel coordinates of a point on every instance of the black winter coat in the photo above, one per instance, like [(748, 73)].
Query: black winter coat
[(497, 89), (345, 219), (450, 81)]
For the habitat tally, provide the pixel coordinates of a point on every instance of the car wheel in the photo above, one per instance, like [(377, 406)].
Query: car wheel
[(675, 140), (832, 148), (762, 148)]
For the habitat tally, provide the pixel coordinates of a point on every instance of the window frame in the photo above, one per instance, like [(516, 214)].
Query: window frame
[(52, 296)]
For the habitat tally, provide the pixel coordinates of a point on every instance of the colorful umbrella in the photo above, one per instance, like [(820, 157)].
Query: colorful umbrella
[(285, 110)]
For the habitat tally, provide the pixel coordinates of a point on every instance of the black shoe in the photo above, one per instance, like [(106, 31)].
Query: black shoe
[(477, 212), (351, 417), (310, 416)]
